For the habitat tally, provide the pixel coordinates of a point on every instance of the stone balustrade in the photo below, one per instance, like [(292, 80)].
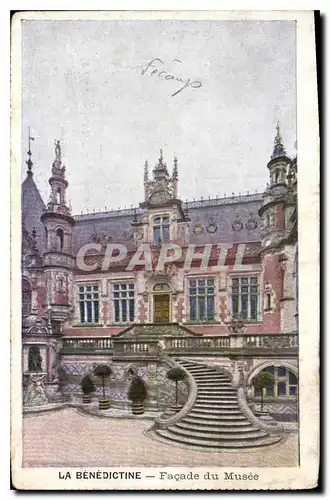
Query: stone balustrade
[(135, 348), (187, 344), (86, 345), (182, 345)]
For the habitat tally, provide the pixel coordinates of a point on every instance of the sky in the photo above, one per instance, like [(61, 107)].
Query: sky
[(219, 89)]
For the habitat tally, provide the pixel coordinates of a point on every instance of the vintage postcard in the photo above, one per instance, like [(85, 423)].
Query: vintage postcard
[(165, 170)]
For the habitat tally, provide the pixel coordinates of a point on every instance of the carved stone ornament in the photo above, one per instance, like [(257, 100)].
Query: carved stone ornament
[(211, 227), (198, 228), (127, 235), (251, 223), (237, 225), (159, 197)]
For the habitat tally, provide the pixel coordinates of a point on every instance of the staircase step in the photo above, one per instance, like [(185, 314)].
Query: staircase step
[(216, 390), (213, 428), (211, 377), (231, 424), (215, 415), (220, 436), (198, 443), (220, 406), (220, 399), (221, 411), (214, 383)]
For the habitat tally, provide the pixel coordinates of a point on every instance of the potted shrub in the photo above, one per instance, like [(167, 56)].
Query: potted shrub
[(103, 372), (176, 374), (87, 387), (137, 393), (261, 381)]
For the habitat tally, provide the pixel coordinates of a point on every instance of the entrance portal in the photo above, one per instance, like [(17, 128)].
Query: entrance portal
[(162, 308)]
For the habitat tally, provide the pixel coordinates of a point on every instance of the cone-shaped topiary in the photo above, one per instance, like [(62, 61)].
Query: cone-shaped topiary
[(87, 385), (262, 380), (137, 390), (103, 371), (176, 374)]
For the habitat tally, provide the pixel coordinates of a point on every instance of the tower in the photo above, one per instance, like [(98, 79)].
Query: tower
[(274, 226), (58, 258), (161, 214)]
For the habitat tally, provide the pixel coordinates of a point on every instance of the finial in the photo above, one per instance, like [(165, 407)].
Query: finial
[(175, 168), (34, 239), (58, 153), (29, 161), (161, 157), (278, 143), (146, 171)]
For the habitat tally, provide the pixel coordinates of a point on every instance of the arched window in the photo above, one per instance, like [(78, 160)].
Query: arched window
[(161, 229), (26, 298), (35, 359), (58, 196), (285, 383), (277, 175), (59, 240)]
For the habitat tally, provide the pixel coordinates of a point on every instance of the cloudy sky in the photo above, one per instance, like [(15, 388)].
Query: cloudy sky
[(87, 84)]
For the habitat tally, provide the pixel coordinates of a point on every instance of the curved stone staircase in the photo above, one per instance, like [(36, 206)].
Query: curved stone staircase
[(215, 420)]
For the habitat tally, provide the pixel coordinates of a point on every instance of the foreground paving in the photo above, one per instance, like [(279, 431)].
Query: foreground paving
[(66, 438)]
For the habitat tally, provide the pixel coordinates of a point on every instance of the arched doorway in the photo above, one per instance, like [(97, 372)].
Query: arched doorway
[(34, 359)]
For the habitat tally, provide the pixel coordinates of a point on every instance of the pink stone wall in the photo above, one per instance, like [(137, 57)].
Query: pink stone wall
[(41, 300), (105, 311), (142, 311), (179, 311)]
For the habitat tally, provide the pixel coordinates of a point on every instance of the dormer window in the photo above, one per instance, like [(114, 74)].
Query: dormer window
[(161, 229)]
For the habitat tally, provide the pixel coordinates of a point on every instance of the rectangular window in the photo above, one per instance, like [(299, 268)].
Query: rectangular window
[(89, 303), (245, 295), (161, 229), (201, 299), (124, 302)]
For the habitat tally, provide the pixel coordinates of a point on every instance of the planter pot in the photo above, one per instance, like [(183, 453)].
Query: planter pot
[(176, 409), (137, 407), (260, 413), (104, 404), (87, 398)]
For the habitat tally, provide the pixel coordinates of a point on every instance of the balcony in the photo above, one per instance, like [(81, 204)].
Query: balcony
[(184, 345)]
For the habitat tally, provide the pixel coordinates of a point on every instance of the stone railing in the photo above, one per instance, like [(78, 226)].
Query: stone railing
[(87, 345), (143, 346), (135, 348), (279, 341), (162, 422), (203, 344)]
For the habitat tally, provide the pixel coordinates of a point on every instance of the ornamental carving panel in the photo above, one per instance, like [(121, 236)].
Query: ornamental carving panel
[(251, 223), (237, 225), (211, 227)]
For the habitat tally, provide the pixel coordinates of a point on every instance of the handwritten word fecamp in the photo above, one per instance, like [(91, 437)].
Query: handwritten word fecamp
[(162, 73)]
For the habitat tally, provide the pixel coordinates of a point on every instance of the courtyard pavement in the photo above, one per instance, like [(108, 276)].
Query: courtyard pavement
[(67, 438)]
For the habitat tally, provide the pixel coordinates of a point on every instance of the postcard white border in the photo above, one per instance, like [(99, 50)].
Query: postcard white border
[(304, 476)]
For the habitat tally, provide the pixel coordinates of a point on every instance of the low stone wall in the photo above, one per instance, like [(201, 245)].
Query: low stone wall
[(161, 391)]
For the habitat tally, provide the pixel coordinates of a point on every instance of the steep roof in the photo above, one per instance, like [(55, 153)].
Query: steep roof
[(231, 220), (32, 208)]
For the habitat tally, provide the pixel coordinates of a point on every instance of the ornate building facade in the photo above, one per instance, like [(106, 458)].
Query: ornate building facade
[(214, 280)]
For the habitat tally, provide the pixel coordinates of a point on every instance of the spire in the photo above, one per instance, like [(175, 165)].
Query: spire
[(175, 168), (29, 161), (278, 143), (161, 157), (146, 172)]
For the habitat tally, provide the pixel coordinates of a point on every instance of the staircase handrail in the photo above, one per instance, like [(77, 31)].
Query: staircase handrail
[(245, 408), (162, 423)]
